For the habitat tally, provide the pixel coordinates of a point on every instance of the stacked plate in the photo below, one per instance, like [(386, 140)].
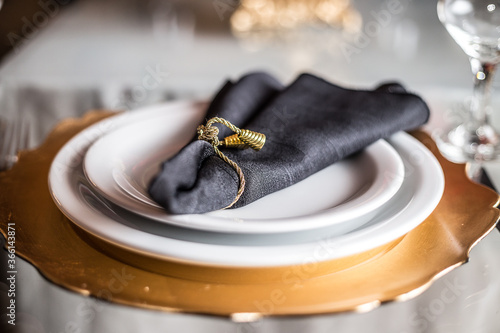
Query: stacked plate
[(99, 180)]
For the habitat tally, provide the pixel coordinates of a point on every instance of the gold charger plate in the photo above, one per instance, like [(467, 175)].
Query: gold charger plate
[(73, 259)]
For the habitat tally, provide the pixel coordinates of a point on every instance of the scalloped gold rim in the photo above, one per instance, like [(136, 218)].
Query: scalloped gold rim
[(48, 240)]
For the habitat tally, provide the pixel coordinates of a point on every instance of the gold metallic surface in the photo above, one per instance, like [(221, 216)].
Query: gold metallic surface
[(253, 139), (244, 138), (72, 259), (233, 141), (247, 139), (231, 275)]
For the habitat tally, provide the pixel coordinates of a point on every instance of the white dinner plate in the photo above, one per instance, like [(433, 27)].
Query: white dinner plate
[(121, 164), (419, 194)]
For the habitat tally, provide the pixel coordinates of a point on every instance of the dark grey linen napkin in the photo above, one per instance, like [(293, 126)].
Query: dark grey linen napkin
[(309, 125)]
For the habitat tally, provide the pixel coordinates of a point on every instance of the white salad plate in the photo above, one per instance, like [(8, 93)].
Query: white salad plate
[(417, 197), (121, 164)]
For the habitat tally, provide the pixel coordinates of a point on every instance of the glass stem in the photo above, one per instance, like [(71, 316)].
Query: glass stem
[(483, 78)]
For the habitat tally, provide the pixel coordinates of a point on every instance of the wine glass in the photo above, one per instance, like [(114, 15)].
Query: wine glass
[(475, 26)]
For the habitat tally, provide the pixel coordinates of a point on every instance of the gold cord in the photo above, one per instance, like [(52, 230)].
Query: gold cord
[(244, 139)]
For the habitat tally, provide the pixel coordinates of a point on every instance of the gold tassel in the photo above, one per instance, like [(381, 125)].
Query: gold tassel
[(253, 139), (242, 139), (247, 139)]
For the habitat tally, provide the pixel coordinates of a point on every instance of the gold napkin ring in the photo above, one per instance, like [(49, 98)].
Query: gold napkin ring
[(242, 139)]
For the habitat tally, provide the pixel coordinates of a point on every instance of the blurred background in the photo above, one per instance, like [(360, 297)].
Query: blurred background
[(64, 57)]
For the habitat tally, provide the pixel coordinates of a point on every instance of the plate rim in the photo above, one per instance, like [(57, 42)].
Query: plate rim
[(388, 183), (438, 237), (177, 244)]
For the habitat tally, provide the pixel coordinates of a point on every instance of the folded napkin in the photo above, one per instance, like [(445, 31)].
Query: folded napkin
[(309, 125)]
